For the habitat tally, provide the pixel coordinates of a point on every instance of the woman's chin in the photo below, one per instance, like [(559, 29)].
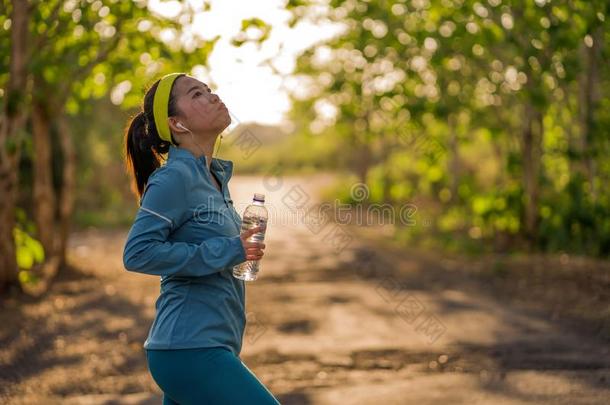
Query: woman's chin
[(222, 121), (227, 120)]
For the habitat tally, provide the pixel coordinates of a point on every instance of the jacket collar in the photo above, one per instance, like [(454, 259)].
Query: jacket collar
[(221, 167)]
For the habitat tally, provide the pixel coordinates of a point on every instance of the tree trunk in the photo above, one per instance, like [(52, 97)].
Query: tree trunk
[(44, 194), (385, 155), (11, 127), (454, 159), (387, 184), (45, 198), (570, 127), (364, 162), (66, 203), (589, 96), (531, 151)]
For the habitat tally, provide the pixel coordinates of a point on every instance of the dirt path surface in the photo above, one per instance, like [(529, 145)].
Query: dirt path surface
[(335, 318)]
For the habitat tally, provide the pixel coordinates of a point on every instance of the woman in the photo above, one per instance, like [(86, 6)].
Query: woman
[(188, 232)]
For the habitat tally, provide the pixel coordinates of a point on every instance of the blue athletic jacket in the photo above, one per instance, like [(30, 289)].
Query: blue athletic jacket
[(187, 232)]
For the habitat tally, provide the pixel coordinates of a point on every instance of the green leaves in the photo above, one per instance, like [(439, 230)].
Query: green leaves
[(252, 30), (462, 68), (29, 250), (72, 40)]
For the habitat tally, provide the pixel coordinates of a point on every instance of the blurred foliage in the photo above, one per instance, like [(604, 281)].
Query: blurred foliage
[(492, 115), (252, 30), (275, 148), (29, 250)]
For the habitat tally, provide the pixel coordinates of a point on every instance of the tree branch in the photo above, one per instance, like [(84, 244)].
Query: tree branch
[(81, 73), (44, 37)]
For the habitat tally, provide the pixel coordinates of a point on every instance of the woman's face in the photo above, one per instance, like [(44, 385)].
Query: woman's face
[(202, 112)]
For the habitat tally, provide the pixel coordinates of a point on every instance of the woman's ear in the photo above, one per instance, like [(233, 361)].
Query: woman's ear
[(176, 126)]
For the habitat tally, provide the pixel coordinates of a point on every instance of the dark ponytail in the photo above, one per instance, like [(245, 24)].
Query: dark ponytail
[(143, 146)]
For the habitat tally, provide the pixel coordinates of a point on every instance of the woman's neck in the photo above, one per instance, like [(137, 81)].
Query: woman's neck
[(200, 148)]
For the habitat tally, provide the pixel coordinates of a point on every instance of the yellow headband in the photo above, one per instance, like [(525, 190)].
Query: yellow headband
[(160, 105)]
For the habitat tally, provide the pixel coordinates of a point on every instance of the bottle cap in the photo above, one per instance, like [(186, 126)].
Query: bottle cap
[(259, 197)]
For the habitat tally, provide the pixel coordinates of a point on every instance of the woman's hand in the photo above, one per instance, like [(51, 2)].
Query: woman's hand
[(254, 250)]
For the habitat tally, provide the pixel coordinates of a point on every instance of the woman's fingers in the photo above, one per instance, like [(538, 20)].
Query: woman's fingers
[(254, 245), (249, 232), (254, 254), (254, 257), (254, 250)]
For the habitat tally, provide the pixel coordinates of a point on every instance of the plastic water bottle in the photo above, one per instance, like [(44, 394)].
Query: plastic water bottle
[(254, 215)]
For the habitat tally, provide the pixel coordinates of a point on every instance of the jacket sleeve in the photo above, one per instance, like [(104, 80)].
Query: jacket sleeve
[(162, 209)]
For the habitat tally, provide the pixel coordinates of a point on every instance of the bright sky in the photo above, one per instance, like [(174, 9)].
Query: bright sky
[(249, 87)]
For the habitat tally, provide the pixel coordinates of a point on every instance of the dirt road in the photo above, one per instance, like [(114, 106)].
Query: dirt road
[(335, 317)]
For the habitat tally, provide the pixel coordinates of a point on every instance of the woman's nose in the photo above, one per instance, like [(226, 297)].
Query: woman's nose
[(214, 98)]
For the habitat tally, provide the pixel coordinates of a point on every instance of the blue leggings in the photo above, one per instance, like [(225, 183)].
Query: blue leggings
[(213, 375)]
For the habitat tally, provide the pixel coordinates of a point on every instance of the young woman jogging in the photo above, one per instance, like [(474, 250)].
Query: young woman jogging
[(187, 232)]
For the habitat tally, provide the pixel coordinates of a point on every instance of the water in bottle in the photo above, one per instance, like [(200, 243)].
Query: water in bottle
[(254, 215)]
